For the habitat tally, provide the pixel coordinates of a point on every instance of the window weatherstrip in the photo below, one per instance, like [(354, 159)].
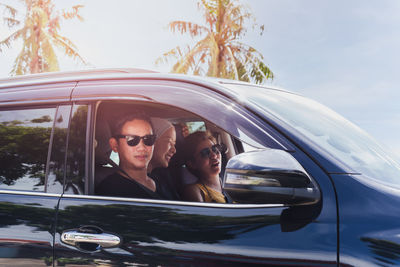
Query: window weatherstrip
[(176, 203), (29, 193), (50, 148)]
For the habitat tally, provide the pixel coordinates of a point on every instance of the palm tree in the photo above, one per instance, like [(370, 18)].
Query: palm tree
[(39, 34), (219, 53)]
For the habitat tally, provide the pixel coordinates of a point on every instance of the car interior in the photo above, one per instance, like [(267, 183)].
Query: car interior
[(106, 161)]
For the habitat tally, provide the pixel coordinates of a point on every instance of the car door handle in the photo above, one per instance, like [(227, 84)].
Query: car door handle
[(77, 237)]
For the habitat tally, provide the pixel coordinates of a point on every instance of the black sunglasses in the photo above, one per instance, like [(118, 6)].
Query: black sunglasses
[(206, 152), (134, 140)]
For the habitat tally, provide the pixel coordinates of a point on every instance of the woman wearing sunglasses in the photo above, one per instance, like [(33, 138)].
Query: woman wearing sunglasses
[(133, 140), (203, 159)]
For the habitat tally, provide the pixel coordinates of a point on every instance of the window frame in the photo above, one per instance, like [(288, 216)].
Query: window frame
[(154, 91), (54, 106)]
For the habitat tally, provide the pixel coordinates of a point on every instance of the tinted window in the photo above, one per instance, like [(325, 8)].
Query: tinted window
[(75, 183), (74, 173), (327, 129), (24, 144), (56, 172)]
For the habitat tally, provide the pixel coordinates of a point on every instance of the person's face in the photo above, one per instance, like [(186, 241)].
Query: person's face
[(206, 165), (164, 148), (133, 157)]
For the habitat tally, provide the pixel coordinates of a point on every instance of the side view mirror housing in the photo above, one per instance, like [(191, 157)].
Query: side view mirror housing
[(269, 176)]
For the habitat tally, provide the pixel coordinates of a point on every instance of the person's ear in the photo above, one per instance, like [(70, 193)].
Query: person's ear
[(113, 144)]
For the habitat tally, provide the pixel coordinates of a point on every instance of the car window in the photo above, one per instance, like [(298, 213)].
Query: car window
[(74, 176), (107, 160), (56, 170), (24, 145), (339, 137), (76, 171)]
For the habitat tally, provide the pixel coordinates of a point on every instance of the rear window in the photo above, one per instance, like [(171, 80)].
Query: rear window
[(24, 144)]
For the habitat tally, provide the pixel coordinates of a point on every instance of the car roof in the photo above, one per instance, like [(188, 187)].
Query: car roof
[(66, 76), (120, 73)]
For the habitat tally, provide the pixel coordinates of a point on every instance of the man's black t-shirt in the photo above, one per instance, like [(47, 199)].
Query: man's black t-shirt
[(117, 185), (166, 186)]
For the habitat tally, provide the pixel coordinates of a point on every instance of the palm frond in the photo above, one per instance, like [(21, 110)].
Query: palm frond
[(11, 10), (175, 53), (187, 61), (187, 27), (220, 52), (11, 22), (14, 36), (69, 48), (258, 70), (40, 35), (74, 13)]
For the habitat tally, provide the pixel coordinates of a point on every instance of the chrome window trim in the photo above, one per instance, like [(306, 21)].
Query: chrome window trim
[(174, 202), (89, 148), (28, 193), (111, 97), (35, 102), (78, 76)]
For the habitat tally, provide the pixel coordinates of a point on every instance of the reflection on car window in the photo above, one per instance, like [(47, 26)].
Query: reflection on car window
[(74, 173), (327, 129), (75, 183), (24, 143), (55, 177), (196, 126)]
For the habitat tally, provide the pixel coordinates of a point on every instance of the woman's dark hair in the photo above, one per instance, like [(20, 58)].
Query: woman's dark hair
[(119, 121)]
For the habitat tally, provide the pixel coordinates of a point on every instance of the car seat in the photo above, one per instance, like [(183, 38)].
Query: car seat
[(104, 166)]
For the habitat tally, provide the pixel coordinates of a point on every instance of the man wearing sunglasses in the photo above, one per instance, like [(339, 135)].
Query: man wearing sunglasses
[(133, 140)]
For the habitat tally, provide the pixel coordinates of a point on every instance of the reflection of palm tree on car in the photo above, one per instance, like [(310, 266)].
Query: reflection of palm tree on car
[(17, 154), (39, 34), (219, 53)]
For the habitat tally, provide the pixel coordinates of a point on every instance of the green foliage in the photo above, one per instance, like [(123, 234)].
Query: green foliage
[(23, 151), (77, 149), (45, 118)]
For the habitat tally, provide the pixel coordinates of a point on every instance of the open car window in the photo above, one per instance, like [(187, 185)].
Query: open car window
[(260, 176), (106, 161)]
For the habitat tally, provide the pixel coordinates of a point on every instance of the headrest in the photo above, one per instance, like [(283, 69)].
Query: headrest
[(103, 149)]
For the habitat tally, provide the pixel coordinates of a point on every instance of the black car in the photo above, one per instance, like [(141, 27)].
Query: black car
[(308, 187)]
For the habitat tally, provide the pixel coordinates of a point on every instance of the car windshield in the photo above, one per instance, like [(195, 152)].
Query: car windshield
[(322, 126)]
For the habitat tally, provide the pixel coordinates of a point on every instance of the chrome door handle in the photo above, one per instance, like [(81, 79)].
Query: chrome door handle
[(103, 240)]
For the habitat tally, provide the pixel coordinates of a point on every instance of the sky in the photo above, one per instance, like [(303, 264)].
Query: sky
[(343, 54)]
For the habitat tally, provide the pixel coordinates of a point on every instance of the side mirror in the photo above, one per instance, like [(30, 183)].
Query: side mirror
[(269, 176)]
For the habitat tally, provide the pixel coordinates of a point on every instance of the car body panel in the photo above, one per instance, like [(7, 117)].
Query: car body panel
[(369, 221), (195, 235), (27, 228), (148, 239), (354, 224), (34, 94)]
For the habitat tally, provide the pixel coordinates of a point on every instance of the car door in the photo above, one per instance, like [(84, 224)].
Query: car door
[(125, 232), (32, 149)]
